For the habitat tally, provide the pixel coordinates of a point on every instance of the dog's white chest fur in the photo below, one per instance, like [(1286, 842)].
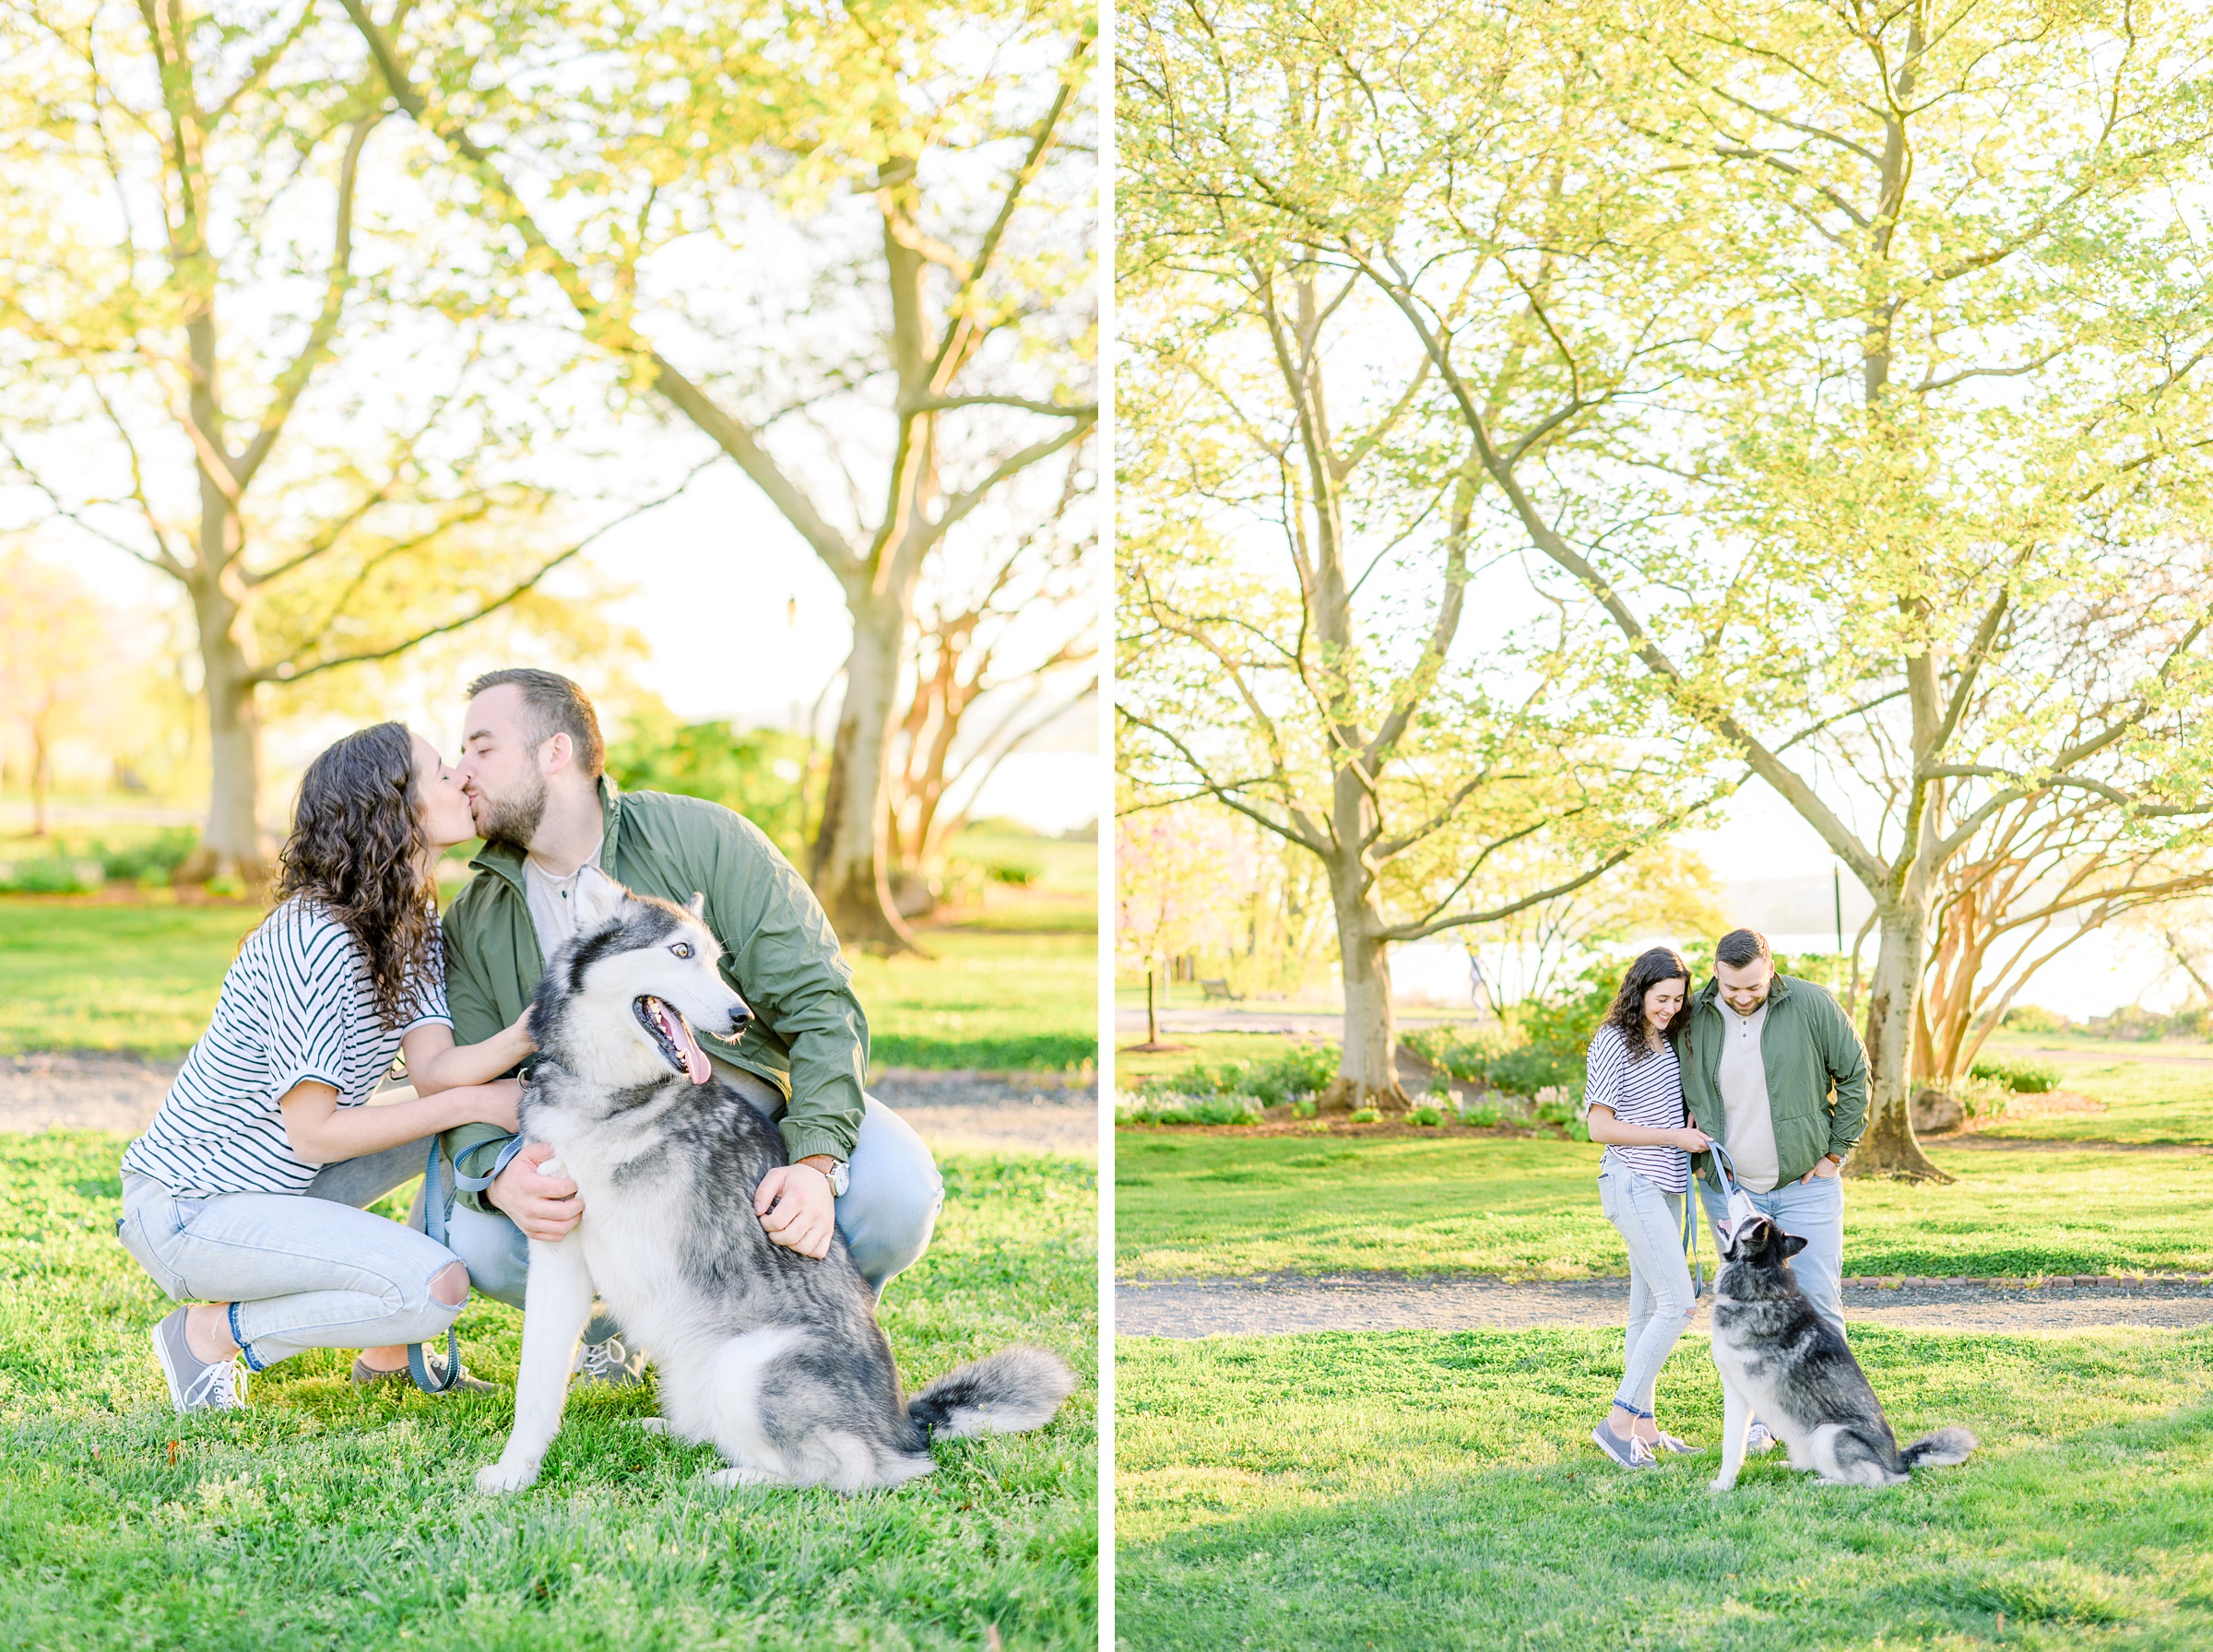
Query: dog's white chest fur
[(628, 1248)]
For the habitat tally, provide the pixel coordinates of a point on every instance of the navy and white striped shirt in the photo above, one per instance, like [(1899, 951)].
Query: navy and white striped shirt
[(1647, 1093), (296, 1005)]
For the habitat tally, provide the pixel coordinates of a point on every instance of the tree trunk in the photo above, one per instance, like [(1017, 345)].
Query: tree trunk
[(850, 873), (1368, 1067), (1889, 1147), (233, 843)]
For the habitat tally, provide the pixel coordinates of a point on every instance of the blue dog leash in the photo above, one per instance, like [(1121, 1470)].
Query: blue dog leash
[(437, 1203), (1725, 1168)]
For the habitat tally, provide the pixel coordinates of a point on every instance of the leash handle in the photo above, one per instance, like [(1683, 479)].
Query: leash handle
[(434, 1201), (501, 1160)]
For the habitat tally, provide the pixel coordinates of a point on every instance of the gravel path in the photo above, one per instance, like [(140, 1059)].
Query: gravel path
[(955, 1112), (1282, 1304)]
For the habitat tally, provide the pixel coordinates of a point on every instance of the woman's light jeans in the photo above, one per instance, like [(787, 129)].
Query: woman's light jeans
[(1651, 1222), (300, 1269)]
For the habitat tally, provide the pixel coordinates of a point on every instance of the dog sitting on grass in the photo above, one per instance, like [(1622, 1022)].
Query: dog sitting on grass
[(775, 1358), (1783, 1363)]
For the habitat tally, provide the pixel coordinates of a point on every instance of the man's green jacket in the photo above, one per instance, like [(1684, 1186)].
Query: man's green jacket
[(1816, 1074), (808, 1035)]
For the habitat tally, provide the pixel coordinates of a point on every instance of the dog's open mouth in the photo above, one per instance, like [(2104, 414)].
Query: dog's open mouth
[(673, 1034)]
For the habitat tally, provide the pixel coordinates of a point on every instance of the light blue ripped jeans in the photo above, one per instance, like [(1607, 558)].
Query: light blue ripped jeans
[(300, 1269), (1651, 1222)]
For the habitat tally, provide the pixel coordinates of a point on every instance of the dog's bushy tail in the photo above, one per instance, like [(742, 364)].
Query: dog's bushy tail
[(1008, 1392), (1940, 1449)]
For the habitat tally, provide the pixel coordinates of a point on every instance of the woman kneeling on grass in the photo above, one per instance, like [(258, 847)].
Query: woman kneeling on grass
[(345, 972), (1633, 1102)]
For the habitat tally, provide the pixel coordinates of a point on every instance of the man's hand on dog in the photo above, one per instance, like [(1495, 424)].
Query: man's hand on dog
[(543, 1207), (806, 1212)]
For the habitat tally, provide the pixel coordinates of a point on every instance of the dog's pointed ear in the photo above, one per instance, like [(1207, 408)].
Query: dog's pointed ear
[(697, 906), (1789, 1244), (598, 900)]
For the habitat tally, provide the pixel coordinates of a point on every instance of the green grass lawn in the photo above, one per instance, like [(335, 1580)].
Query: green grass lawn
[(143, 978), (988, 999), (322, 1517), (1416, 1490), (2145, 1101), (80, 976), (1188, 1204)]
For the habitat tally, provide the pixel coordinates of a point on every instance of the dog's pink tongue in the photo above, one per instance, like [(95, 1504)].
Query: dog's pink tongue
[(695, 1058)]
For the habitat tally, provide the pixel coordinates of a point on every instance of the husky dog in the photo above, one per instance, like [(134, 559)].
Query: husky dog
[(1784, 1362), (775, 1358)]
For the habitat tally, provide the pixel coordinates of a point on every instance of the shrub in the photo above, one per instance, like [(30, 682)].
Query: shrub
[(153, 860), (1565, 1026), (1527, 1070), (1366, 1115), (51, 875), (1982, 1097), (1302, 1071), (1483, 1115), (1170, 1108), (1429, 1116), (760, 772), (1457, 1052), (1020, 873), (1556, 1106), (2035, 1018), (2023, 1078)]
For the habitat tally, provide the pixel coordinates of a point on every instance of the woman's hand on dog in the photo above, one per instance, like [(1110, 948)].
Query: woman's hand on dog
[(805, 1212), (543, 1207)]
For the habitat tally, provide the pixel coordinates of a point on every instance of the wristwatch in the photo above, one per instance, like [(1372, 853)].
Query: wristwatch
[(838, 1175)]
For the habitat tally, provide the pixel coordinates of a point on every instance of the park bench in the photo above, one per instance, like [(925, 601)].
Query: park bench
[(1212, 990)]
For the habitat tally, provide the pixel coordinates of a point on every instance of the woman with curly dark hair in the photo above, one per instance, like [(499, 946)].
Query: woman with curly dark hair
[(1633, 1102), (343, 974)]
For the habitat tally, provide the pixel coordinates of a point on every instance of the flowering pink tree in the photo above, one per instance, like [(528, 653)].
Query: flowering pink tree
[(1181, 877)]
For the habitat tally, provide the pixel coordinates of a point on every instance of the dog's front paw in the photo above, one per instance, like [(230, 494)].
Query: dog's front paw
[(502, 1476), (1722, 1482)]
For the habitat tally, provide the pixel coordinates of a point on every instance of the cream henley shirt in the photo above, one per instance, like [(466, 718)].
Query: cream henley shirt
[(1747, 1122)]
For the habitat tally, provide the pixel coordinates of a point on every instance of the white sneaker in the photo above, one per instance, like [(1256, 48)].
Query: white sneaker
[(1758, 1439), (609, 1364), (193, 1385)]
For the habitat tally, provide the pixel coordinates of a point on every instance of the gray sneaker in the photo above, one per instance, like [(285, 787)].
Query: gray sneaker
[(193, 1385), (609, 1364), (1630, 1453), (1758, 1439)]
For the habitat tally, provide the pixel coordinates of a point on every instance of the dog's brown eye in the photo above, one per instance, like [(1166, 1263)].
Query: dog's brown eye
[(683, 949)]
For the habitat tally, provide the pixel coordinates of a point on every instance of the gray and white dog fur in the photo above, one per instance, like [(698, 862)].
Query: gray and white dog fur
[(774, 1357), (1781, 1362)]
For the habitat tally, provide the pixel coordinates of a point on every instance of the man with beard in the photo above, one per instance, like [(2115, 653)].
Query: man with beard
[(532, 767)]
